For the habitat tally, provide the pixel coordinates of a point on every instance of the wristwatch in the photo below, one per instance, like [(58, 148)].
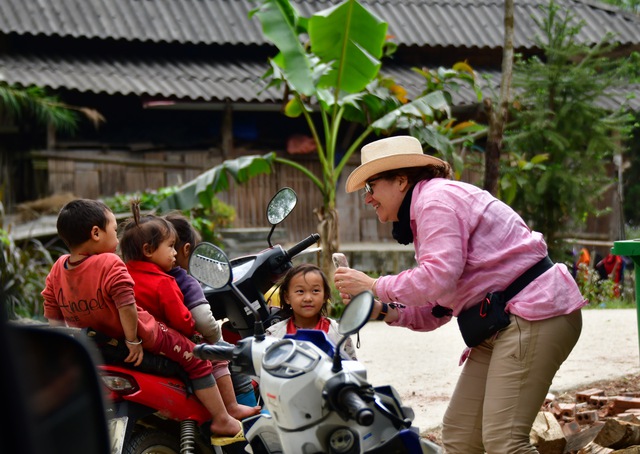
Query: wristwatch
[(383, 312)]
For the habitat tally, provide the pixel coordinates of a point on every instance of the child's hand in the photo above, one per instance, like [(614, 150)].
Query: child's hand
[(136, 353)]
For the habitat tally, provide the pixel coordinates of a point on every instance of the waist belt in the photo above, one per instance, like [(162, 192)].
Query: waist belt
[(527, 277)]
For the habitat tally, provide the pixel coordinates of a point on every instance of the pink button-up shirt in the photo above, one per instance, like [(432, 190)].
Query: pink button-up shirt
[(468, 243)]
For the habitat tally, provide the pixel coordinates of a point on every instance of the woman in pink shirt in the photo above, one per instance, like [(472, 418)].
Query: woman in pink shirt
[(467, 244)]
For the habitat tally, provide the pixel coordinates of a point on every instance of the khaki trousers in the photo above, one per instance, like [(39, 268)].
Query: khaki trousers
[(503, 385)]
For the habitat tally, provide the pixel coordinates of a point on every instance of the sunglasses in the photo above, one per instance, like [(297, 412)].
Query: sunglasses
[(367, 186)]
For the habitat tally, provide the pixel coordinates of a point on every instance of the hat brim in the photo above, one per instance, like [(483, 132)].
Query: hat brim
[(362, 173)]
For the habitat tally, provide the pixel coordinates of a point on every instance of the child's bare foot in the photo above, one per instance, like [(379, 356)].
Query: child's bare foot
[(240, 411), (225, 426)]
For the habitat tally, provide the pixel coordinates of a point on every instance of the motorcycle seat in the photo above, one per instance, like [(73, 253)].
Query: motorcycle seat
[(115, 351)]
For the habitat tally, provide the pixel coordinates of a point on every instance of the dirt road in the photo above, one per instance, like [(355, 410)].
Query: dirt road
[(423, 367)]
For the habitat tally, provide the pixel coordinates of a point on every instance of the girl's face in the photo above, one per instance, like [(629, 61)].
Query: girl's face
[(306, 298), (386, 197), (165, 255)]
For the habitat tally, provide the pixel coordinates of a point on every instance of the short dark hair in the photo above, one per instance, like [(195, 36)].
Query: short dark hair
[(78, 217)]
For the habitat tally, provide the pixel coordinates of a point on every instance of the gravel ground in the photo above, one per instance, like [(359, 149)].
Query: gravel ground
[(423, 367)]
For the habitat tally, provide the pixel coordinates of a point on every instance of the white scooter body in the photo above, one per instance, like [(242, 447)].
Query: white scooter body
[(293, 378)]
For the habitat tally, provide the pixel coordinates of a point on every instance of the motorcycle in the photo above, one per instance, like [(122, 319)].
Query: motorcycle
[(152, 409), (316, 402)]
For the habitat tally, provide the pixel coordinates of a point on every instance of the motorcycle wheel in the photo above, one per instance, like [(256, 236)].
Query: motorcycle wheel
[(151, 441)]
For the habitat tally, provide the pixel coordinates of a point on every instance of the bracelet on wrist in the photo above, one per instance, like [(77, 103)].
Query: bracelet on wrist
[(373, 287), (136, 342), (383, 311)]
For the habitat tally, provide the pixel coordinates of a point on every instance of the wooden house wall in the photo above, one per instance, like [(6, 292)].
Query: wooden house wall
[(95, 174)]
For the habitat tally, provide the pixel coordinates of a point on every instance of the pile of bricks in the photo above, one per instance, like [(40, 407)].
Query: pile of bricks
[(592, 424)]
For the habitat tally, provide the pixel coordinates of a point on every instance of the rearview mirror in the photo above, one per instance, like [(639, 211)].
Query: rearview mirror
[(210, 266), (281, 205), (356, 314)]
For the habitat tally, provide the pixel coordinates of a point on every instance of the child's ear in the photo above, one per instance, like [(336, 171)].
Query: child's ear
[(146, 250), (95, 233), (186, 249)]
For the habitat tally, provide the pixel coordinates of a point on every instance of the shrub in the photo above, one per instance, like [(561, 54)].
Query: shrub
[(24, 270), (601, 292), (206, 220)]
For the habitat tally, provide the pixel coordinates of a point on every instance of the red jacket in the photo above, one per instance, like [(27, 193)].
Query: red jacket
[(159, 294)]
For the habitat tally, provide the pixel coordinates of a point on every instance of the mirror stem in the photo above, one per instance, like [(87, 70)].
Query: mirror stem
[(273, 227)]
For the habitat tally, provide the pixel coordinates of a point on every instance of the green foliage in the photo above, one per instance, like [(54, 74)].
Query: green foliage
[(560, 134), (601, 293), (24, 270), (206, 219), (149, 200), (18, 103), (632, 232)]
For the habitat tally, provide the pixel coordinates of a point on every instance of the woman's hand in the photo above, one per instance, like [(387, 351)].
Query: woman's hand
[(351, 282)]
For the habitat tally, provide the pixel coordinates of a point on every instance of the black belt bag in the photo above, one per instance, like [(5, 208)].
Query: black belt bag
[(486, 318)]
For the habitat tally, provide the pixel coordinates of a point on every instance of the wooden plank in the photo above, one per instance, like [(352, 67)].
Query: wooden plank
[(154, 177), (87, 184)]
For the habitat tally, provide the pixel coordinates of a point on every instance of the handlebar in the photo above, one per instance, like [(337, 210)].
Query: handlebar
[(355, 406), (302, 245), (214, 352)]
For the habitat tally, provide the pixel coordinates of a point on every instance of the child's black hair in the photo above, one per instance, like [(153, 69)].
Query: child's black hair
[(77, 218), (186, 232)]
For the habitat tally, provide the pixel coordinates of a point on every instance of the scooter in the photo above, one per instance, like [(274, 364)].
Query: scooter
[(316, 402), (152, 409)]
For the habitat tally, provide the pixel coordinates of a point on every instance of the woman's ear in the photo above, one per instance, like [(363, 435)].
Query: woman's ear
[(403, 182)]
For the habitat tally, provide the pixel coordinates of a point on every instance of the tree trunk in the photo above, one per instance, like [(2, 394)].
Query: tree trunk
[(498, 114), (329, 239)]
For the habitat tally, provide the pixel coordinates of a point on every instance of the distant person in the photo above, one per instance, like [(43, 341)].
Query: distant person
[(91, 287), (612, 267), (470, 249), (581, 265), (304, 299)]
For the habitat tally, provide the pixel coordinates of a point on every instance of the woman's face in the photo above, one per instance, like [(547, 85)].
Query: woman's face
[(386, 196)]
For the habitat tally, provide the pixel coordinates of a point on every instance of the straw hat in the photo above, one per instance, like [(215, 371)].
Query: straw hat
[(388, 154)]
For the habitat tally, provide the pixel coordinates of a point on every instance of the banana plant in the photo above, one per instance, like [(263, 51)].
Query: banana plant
[(329, 65)]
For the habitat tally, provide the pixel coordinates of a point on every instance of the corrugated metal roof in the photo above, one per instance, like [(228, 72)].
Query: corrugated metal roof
[(458, 23), (186, 79), (192, 80)]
